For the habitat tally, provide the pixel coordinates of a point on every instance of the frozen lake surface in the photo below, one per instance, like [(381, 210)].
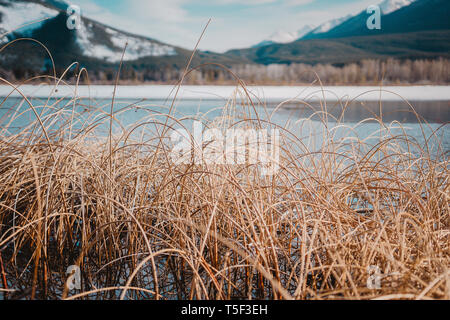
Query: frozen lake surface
[(264, 93), (421, 111)]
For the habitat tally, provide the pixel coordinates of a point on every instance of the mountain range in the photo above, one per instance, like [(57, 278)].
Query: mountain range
[(310, 32), (285, 37), (94, 45), (411, 29)]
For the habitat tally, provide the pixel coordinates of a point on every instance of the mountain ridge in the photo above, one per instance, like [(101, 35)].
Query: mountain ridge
[(95, 46), (98, 47), (386, 6), (285, 37), (406, 33)]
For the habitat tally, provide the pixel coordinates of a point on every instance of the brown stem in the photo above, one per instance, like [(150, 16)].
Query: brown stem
[(5, 283)]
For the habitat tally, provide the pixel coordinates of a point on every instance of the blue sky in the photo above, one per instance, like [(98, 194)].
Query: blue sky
[(235, 23)]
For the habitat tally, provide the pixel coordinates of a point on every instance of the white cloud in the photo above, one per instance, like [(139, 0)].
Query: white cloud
[(156, 10), (244, 2), (261, 2), (160, 10), (298, 2)]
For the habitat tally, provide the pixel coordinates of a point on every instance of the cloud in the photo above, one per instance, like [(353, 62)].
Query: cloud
[(132, 10), (244, 2), (298, 2), (161, 10), (261, 2)]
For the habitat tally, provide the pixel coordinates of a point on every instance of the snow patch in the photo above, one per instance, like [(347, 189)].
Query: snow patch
[(327, 26), (137, 47), (389, 6), (17, 14), (285, 37), (267, 93)]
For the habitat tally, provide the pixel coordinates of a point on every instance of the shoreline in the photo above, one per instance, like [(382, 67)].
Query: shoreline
[(214, 92)]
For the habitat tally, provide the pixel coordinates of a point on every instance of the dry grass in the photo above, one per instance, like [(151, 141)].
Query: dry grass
[(141, 227)]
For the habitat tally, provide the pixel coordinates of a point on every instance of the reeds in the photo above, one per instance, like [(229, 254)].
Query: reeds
[(141, 227)]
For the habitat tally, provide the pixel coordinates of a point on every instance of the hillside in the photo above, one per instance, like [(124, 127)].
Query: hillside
[(420, 15), (410, 30), (95, 46), (413, 45), (415, 31)]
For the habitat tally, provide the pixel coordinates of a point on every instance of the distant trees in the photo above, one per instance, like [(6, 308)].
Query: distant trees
[(365, 72), (390, 71)]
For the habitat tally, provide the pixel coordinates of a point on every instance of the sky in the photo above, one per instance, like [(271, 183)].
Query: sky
[(234, 23)]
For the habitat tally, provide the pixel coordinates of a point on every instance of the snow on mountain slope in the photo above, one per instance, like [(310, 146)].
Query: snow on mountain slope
[(386, 6), (285, 37), (327, 26), (389, 6), (15, 14), (306, 29), (282, 37), (138, 47)]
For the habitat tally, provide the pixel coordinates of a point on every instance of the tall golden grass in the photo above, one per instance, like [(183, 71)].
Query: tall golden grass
[(140, 227)]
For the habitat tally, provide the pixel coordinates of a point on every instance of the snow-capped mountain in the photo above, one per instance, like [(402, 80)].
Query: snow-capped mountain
[(137, 47), (304, 30), (277, 37), (389, 6), (409, 29), (327, 26), (356, 25), (23, 16), (347, 25), (386, 6), (285, 36), (94, 39)]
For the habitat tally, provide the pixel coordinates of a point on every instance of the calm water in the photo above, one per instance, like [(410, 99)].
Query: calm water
[(300, 118)]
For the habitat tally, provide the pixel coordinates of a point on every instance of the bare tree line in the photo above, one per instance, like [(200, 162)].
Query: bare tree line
[(389, 71), (365, 72)]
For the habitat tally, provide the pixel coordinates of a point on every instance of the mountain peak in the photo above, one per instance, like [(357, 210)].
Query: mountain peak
[(25, 15), (389, 6), (281, 36), (327, 26), (94, 39), (386, 6)]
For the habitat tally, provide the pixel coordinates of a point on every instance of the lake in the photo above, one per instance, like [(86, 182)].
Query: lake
[(419, 111)]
